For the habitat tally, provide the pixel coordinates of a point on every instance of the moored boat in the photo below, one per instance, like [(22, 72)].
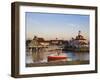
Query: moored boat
[(56, 58)]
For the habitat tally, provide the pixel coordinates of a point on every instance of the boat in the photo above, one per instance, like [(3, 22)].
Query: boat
[(56, 58)]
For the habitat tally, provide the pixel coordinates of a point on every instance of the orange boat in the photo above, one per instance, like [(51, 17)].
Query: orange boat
[(55, 58)]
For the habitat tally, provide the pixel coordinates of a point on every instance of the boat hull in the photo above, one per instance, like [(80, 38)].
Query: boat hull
[(56, 58)]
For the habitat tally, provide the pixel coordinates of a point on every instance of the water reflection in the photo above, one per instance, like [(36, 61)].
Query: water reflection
[(40, 56)]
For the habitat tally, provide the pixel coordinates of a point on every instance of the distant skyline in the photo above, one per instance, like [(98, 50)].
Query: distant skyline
[(52, 26)]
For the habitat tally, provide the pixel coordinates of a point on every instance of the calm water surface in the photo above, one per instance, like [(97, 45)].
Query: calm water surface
[(72, 56)]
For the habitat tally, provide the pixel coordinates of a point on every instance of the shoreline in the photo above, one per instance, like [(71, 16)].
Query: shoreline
[(76, 50), (60, 63)]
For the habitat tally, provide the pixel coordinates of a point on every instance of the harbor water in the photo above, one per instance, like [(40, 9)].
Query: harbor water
[(42, 56)]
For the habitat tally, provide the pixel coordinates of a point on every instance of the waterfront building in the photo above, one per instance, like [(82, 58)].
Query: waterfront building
[(36, 49), (79, 41)]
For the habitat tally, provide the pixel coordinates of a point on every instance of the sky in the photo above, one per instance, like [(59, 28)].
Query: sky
[(53, 25)]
